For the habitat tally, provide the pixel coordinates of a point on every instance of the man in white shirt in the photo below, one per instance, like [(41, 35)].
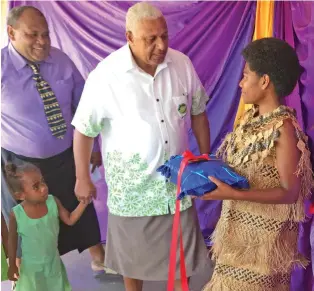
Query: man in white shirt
[(142, 99)]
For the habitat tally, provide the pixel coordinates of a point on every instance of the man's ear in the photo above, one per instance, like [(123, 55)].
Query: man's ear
[(129, 37), (11, 32)]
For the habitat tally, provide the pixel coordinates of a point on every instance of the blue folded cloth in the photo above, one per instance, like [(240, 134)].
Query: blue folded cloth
[(194, 180)]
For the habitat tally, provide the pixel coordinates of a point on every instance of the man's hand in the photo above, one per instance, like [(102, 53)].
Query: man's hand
[(95, 160), (85, 190), (13, 273)]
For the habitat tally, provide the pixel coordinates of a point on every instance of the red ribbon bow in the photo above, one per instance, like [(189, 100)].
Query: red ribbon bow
[(188, 157)]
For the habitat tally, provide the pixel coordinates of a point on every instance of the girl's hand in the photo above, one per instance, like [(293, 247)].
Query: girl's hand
[(84, 204), (13, 273), (223, 191)]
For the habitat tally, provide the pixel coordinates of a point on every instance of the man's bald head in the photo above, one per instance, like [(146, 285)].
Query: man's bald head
[(16, 12), (28, 32)]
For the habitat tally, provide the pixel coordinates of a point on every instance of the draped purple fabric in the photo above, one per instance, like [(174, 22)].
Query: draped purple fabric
[(294, 23), (212, 34)]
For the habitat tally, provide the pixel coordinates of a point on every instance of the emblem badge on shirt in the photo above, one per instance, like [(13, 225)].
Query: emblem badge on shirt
[(182, 108)]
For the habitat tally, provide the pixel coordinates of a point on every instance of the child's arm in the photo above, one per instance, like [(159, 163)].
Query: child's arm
[(67, 217), (4, 235), (13, 272)]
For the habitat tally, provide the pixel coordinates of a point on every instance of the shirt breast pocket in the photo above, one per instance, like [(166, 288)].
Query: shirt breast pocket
[(63, 91), (180, 105), (65, 83)]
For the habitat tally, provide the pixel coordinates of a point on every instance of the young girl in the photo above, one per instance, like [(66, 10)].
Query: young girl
[(36, 220)]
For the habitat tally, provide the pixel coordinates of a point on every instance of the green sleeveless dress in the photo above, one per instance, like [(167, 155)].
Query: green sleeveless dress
[(41, 268)]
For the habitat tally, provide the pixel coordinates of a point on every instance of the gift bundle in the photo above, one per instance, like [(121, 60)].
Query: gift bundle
[(195, 173), (190, 173)]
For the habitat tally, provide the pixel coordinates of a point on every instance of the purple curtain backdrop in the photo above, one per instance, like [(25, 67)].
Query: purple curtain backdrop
[(89, 31), (294, 23), (212, 34)]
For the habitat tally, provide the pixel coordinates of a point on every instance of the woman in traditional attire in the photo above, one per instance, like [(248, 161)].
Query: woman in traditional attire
[(255, 241)]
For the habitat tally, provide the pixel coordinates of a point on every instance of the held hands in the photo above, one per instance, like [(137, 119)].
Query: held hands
[(83, 204), (13, 273), (85, 190)]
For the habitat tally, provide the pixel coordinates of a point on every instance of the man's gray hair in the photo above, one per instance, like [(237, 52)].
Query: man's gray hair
[(139, 11), (16, 12)]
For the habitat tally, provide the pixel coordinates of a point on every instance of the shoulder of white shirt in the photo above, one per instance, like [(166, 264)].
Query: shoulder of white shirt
[(114, 62)]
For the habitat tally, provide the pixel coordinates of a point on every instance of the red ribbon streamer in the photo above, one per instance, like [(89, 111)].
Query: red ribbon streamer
[(312, 208), (188, 157)]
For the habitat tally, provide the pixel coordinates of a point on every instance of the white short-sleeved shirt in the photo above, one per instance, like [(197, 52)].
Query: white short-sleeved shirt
[(143, 121)]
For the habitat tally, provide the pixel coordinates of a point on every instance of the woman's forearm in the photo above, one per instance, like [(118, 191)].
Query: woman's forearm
[(277, 195)]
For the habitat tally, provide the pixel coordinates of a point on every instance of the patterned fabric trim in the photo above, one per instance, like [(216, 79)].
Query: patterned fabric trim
[(261, 222), (252, 277)]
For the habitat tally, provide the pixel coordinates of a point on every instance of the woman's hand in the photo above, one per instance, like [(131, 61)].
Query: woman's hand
[(223, 191)]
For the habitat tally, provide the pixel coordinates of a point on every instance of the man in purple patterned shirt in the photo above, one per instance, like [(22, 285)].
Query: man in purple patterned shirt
[(28, 131)]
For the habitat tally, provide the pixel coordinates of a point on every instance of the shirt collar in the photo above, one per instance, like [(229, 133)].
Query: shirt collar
[(130, 64), (19, 61)]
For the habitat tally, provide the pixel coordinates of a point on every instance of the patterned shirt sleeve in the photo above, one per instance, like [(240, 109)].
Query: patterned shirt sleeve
[(91, 111), (199, 95)]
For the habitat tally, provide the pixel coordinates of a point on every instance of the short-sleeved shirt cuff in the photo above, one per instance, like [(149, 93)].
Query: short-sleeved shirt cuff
[(86, 127), (199, 101)]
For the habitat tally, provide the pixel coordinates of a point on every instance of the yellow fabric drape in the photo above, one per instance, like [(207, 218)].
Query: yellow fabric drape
[(4, 13), (264, 21)]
